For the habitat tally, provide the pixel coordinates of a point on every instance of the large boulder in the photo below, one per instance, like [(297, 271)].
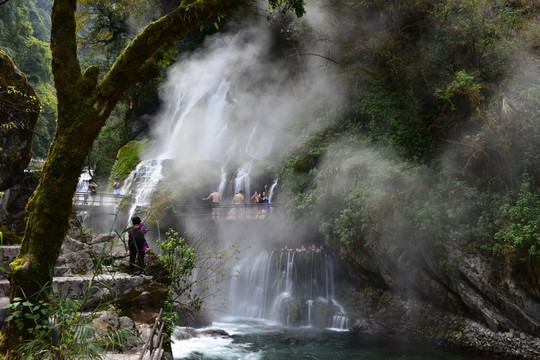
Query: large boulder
[(19, 111)]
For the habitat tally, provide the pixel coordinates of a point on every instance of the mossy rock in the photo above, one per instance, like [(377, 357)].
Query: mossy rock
[(127, 160), (9, 238), (19, 111)]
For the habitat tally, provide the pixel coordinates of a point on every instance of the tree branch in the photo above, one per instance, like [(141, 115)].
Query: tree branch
[(3, 2), (65, 65), (367, 71), (166, 30)]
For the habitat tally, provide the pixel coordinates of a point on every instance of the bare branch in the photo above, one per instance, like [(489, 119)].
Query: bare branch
[(367, 71)]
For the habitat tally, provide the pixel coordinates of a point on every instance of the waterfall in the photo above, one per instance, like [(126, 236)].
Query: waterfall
[(272, 189), (208, 115), (144, 179), (294, 288), (240, 180), (82, 185)]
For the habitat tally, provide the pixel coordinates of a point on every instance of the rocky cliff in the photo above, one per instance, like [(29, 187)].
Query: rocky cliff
[(470, 301), (19, 111)]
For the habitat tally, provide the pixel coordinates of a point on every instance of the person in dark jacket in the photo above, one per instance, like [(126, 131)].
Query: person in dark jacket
[(137, 245)]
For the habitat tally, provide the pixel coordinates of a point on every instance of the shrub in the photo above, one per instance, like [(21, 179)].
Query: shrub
[(518, 225)]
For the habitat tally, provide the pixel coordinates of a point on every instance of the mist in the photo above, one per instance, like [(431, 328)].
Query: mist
[(232, 101)]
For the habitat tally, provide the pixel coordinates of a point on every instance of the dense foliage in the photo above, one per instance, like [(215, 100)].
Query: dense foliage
[(438, 136), (443, 93), (24, 36)]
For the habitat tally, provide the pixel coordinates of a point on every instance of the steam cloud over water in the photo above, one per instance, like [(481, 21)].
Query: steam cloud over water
[(230, 106), (229, 102)]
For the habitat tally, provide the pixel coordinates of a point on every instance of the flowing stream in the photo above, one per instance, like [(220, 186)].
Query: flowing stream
[(259, 340), (282, 305)]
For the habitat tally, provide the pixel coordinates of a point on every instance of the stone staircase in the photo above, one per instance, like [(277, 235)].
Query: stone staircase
[(73, 272), (74, 277)]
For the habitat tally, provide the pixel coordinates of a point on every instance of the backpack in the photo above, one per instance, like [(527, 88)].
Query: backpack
[(137, 237)]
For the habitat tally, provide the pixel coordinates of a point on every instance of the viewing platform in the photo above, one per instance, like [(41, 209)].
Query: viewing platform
[(226, 211), (85, 201)]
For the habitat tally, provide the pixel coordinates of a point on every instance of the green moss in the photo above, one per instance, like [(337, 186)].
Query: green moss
[(126, 160), (20, 263), (295, 313), (9, 238)]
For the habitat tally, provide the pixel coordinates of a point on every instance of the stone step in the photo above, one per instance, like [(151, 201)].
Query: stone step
[(103, 286), (8, 253)]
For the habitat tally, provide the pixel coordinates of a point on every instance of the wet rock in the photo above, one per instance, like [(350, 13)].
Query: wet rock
[(185, 333), (143, 302), (420, 320), (214, 333)]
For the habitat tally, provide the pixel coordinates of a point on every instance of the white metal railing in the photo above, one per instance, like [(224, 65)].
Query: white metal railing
[(98, 199)]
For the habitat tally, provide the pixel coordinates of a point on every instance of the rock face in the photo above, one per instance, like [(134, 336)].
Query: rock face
[(19, 112), (495, 296)]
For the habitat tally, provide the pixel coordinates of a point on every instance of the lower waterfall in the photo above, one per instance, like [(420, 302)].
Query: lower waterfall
[(290, 287)]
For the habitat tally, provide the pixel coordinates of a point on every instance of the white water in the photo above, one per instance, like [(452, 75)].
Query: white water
[(263, 340), (144, 179), (82, 185), (272, 189), (292, 288), (204, 119)]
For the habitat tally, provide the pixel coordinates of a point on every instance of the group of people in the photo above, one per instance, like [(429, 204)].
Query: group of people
[(93, 186), (260, 201)]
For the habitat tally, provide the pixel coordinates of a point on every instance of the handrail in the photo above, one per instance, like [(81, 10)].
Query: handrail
[(84, 200), (100, 198), (150, 342), (158, 351), (227, 211)]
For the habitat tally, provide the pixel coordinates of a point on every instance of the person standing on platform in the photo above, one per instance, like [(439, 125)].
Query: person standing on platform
[(256, 198), (265, 205), (116, 186), (214, 204), (92, 187), (238, 203)]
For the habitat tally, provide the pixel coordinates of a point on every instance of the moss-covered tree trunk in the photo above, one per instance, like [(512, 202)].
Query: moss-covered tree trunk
[(84, 104)]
